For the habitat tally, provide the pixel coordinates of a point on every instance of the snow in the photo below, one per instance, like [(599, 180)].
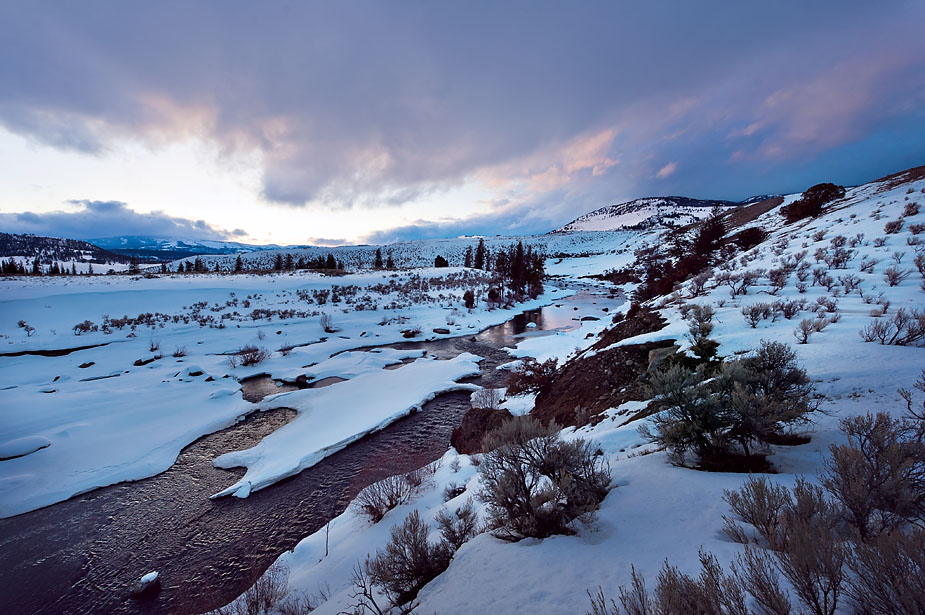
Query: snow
[(656, 510), (148, 578), (330, 418), (82, 427), (102, 419)]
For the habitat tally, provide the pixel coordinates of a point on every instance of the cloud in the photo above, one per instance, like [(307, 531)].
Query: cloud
[(369, 104), (667, 170), (98, 219)]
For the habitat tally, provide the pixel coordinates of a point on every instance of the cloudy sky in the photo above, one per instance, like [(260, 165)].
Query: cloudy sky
[(329, 122)]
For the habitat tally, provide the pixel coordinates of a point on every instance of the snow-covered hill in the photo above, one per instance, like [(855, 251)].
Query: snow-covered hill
[(648, 213), (171, 248)]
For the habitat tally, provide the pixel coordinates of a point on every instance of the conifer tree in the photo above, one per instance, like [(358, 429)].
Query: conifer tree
[(467, 260), (378, 264), (238, 264), (479, 261)]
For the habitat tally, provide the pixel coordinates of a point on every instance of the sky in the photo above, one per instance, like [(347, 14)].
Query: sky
[(370, 122)]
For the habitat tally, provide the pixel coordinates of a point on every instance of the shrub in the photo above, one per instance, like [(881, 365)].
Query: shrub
[(408, 561), (751, 400), (893, 227), (906, 328), (894, 275), (22, 324), (250, 355), (531, 376), (269, 595), (86, 326), (327, 323), (810, 204), (379, 498), (469, 299), (486, 398), (756, 312), (879, 476), (458, 527), (536, 484)]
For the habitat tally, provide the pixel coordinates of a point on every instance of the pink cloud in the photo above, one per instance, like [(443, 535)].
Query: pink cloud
[(667, 170)]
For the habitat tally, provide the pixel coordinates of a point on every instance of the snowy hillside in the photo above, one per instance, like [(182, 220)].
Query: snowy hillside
[(648, 213), (858, 272), (422, 253), (167, 248)]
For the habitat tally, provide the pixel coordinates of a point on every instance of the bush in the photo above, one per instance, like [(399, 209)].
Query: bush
[(379, 498), (894, 275), (486, 398), (469, 299), (408, 562), (751, 400), (249, 355), (879, 476), (905, 328), (536, 484), (531, 376), (458, 527), (893, 227), (327, 323), (810, 204)]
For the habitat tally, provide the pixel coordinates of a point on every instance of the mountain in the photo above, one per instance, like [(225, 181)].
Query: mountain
[(647, 213), (169, 248), (49, 249)]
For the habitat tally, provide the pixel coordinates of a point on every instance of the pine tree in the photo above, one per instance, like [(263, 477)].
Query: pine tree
[(199, 267), (164, 268), (36, 267), (467, 260), (479, 262), (389, 262), (330, 263), (290, 262), (90, 269), (238, 264), (378, 264), (278, 265)]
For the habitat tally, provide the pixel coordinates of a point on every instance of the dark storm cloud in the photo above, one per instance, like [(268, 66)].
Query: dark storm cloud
[(377, 103), (95, 219)]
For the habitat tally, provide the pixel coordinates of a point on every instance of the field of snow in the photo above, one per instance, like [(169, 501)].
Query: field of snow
[(659, 511), (158, 374)]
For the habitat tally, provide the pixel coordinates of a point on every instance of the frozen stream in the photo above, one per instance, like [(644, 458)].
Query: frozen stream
[(84, 554)]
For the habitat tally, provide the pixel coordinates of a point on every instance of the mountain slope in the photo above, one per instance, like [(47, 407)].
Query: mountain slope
[(169, 248), (647, 213), (49, 249)]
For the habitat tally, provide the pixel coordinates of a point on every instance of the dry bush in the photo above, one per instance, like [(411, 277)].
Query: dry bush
[(905, 328), (531, 376), (250, 355), (756, 312), (379, 498), (535, 483), (458, 527), (889, 574), (893, 227), (269, 595), (879, 476), (327, 323), (804, 330), (486, 398), (408, 561), (894, 276)]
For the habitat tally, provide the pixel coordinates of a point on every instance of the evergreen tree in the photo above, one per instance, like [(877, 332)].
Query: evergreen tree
[(278, 265), (502, 270), (238, 264), (389, 262), (378, 263), (90, 269), (330, 263), (467, 260), (441, 262), (200, 268), (217, 268), (518, 268), (290, 262), (479, 261), (36, 267)]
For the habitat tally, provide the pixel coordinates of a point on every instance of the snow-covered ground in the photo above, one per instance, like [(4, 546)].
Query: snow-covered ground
[(158, 372), (659, 511), (94, 417)]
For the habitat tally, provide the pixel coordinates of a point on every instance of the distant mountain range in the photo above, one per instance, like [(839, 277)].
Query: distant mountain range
[(49, 249), (150, 248), (649, 213)]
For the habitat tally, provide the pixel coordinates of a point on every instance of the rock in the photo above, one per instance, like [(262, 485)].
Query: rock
[(442, 331), (147, 587), (658, 355), (87, 364)]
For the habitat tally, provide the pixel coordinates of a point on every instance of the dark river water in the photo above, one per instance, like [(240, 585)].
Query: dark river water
[(85, 554)]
